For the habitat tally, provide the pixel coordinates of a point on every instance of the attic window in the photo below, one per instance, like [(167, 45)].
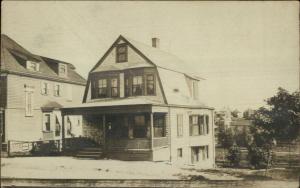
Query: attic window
[(33, 66), (62, 69), (121, 54)]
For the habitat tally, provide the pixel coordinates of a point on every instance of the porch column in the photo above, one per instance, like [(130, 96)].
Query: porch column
[(104, 131), (151, 130), (63, 132)]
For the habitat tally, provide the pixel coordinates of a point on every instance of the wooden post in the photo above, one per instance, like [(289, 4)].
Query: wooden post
[(63, 132), (151, 131), (104, 131)]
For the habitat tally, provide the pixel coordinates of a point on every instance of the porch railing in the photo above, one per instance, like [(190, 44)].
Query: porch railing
[(160, 142), (129, 143)]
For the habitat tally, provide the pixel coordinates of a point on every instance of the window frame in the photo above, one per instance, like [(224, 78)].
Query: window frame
[(153, 84), (118, 53), (57, 90), (179, 125), (28, 103), (140, 128), (115, 87), (45, 90), (57, 131), (45, 127), (99, 87), (159, 122), (134, 86), (179, 153)]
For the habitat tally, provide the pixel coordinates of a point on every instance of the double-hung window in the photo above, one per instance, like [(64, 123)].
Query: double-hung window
[(159, 125), (194, 125), (121, 55), (28, 102), (114, 87), (137, 85), (179, 125), (47, 122), (57, 90), (150, 84), (45, 88), (102, 88)]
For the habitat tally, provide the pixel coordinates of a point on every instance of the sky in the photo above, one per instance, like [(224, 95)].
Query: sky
[(244, 50)]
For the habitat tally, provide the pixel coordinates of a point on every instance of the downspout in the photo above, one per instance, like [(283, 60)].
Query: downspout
[(170, 140), (213, 137), (63, 131)]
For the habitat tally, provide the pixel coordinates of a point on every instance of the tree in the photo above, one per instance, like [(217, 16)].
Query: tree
[(235, 113), (282, 117), (225, 138), (234, 155), (279, 121)]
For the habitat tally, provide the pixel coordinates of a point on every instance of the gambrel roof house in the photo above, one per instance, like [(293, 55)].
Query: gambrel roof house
[(175, 77), (142, 103)]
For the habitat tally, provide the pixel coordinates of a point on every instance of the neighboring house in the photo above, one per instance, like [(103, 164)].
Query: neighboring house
[(223, 118), (240, 125), (33, 89), (142, 103)]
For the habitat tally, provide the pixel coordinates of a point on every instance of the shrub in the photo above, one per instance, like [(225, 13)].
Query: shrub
[(234, 155)]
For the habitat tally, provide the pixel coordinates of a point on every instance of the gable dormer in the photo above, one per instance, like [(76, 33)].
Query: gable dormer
[(62, 70), (33, 65)]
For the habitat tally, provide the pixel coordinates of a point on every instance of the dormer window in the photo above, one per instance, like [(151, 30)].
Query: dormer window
[(62, 69), (33, 66), (121, 54)]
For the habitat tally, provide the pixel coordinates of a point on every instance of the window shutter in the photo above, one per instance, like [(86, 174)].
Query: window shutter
[(191, 127), (207, 124)]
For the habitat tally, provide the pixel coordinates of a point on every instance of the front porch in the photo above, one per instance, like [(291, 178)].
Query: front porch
[(126, 133)]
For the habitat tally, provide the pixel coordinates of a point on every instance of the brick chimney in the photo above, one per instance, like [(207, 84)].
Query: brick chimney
[(155, 42)]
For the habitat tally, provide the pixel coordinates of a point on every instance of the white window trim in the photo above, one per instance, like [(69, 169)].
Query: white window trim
[(60, 90), (42, 88), (44, 125), (29, 90)]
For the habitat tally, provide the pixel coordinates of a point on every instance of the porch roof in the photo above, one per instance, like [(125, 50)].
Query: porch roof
[(114, 102)]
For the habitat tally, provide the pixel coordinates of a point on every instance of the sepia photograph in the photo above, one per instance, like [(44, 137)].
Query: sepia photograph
[(150, 94)]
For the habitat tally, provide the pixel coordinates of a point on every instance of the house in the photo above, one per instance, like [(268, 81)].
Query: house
[(240, 125), (33, 89), (142, 103)]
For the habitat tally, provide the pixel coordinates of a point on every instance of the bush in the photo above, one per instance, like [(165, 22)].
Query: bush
[(259, 157), (234, 156)]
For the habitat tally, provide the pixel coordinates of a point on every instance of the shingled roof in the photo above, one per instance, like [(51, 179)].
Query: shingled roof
[(14, 56), (163, 59)]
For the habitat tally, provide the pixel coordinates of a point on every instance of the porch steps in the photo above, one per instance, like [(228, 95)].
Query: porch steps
[(90, 153)]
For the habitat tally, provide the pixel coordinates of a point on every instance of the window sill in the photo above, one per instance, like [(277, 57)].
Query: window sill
[(47, 131)]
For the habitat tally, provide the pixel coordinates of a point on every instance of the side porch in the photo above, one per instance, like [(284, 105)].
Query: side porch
[(131, 132)]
